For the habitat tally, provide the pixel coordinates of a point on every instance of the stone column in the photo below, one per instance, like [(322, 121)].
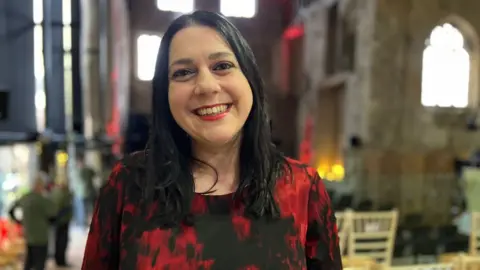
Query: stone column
[(90, 76)]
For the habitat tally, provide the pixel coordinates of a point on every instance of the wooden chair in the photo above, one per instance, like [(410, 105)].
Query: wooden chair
[(359, 263), (474, 248), (343, 225), (440, 266), (372, 235), (467, 262)]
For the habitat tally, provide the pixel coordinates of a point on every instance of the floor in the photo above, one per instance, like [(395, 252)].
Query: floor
[(78, 238)]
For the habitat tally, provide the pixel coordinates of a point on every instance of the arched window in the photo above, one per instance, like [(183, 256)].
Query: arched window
[(446, 69), (39, 66)]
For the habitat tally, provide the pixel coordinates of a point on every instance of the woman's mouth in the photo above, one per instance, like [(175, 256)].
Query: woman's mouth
[(213, 113)]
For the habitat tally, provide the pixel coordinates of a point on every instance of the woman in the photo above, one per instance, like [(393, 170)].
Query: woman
[(211, 191)]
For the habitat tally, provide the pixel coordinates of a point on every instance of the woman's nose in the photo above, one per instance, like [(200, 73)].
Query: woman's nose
[(206, 83)]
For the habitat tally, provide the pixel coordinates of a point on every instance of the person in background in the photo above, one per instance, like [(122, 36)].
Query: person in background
[(88, 176), (63, 198), (37, 211), (84, 192)]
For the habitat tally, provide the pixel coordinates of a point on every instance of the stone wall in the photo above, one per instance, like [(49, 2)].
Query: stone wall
[(357, 83), (396, 115), (416, 145), (361, 17), (407, 159)]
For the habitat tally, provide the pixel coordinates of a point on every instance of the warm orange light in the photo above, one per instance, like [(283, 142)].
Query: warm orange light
[(322, 170), (335, 172), (338, 169)]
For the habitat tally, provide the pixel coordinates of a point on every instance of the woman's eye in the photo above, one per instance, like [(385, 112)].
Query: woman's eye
[(181, 73), (222, 66)]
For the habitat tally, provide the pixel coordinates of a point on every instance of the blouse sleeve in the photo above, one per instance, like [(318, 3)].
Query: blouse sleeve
[(102, 250), (322, 246)]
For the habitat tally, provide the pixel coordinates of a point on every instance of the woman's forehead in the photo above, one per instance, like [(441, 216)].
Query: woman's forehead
[(196, 39)]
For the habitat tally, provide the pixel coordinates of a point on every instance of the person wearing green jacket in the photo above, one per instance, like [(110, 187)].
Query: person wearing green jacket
[(38, 212), (63, 198)]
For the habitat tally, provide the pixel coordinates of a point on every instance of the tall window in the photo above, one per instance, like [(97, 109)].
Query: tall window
[(147, 50), (39, 65), (67, 61), (446, 69), (183, 6), (237, 8)]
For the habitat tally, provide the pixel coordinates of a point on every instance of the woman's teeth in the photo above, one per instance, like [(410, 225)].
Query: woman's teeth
[(212, 111)]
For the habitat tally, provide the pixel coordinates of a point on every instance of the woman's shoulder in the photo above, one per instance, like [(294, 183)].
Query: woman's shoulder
[(305, 179), (134, 161), (125, 168), (300, 170)]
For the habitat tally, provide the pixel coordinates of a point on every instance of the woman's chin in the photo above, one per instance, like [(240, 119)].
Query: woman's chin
[(219, 139)]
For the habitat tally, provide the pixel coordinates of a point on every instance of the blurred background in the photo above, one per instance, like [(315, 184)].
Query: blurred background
[(382, 97)]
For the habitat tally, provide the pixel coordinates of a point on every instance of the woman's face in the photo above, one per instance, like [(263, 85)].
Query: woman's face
[(209, 96)]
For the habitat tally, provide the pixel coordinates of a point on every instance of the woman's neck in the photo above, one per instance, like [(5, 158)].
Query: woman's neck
[(224, 159)]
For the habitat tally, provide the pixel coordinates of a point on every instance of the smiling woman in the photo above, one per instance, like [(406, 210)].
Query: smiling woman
[(211, 191), (210, 97)]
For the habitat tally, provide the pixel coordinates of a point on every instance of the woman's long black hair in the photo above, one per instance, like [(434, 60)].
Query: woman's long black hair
[(169, 179)]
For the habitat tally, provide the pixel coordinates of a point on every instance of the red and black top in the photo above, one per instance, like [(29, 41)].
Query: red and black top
[(222, 237)]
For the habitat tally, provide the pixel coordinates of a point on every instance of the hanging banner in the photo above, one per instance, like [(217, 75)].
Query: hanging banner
[(306, 145), (119, 74)]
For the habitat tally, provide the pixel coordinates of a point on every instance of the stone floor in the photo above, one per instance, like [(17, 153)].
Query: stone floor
[(76, 248), (78, 238)]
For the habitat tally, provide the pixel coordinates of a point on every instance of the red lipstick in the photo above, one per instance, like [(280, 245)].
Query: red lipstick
[(213, 112)]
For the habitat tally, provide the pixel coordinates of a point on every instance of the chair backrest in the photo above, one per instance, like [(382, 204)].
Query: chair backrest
[(343, 225), (439, 266), (372, 234), (475, 234), (467, 262), (471, 177)]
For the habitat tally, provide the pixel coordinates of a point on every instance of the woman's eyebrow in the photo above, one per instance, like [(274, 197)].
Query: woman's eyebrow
[(212, 56)]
